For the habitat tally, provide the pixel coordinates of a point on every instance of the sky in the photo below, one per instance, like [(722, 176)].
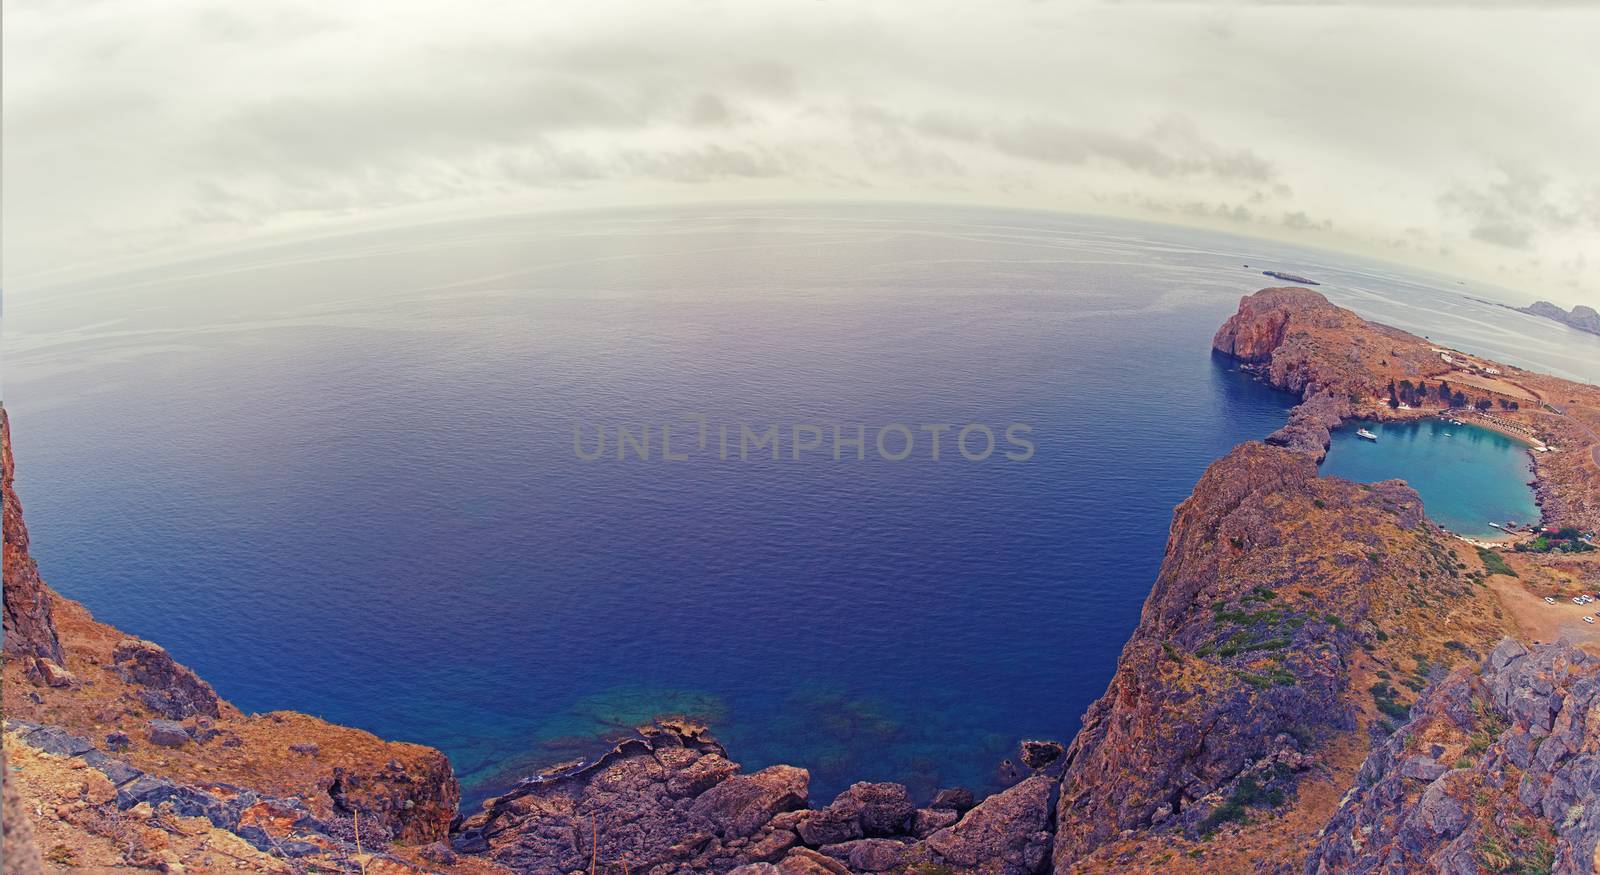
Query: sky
[(1457, 136)]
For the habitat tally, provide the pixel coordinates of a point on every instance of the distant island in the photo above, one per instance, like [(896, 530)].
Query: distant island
[(1582, 318), (1289, 277)]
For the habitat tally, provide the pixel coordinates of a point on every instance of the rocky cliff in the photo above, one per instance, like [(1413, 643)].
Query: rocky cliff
[(30, 629), (138, 746), (1498, 770), (1581, 317), (1243, 668), (1298, 341)]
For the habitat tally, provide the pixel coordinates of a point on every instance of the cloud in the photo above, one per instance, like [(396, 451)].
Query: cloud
[(138, 125), (1514, 209)]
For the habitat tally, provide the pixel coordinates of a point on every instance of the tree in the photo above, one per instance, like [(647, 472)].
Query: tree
[(1482, 404), (1459, 399), (1394, 400)]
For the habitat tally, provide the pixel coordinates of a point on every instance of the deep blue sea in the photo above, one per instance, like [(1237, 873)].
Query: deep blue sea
[(339, 476)]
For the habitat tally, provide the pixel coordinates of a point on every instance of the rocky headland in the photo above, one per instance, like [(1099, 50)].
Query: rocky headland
[(1579, 317), (1320, 682)]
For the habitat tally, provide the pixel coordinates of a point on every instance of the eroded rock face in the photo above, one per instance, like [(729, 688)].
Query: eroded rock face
[(1240, 662), (1497, 770), (1008, 834), (647, 803), (170, 689), (1298, 341), (29, 628)]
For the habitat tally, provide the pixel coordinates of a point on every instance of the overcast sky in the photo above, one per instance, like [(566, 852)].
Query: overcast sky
[(1462, 136)]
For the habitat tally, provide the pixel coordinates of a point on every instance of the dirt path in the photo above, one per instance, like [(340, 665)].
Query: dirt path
[(1538, 621)]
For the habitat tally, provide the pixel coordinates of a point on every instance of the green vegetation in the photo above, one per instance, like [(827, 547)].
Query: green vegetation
[(1249, 792), (1383, 696), (1496, 856), (1495, 564), (1277, 676), (1560, 542)]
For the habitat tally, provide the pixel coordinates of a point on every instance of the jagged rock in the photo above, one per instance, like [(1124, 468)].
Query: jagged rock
[(701, 774), (756, 869), (868, 855), (47, 673), (772, 846), (1007, 833), (54, 740), (827, 826), (1508, 802), (1261, 526), (739, 806), (957, 798), (168, 733), (804, 861), (440, 853), (171, 690), (29, 624), (1039, 754), (118, 740), (931, 820)]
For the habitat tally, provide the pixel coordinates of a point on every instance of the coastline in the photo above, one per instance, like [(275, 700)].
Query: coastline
[(671, 797)]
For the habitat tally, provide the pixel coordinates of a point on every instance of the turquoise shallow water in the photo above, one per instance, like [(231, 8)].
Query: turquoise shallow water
[(1467, 476)]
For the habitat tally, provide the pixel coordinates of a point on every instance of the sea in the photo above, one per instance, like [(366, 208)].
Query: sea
[(361, 476)]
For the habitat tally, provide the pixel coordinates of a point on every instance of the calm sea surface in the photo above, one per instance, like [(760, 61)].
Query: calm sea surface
[(1468, 476), (339, 476)]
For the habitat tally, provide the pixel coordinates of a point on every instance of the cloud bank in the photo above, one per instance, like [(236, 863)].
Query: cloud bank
[(1459, 136)]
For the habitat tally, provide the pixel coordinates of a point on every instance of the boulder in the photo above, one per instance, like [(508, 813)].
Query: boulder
[(957, 798), (1039, 754), (48, 673), (57, 741), (1007, 833), (170, 689), (701, 775), (804, 861), (931, 820), (740, 806), (882, 809), (168, 733), (829, 826)]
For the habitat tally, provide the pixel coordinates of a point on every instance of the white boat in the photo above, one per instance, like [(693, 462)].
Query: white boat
[(1363, 433), (1496, 525)]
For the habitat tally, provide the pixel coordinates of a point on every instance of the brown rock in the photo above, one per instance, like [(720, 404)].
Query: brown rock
[(1006, 834), (29, 625), (97, 789), (170, 689), (771, 846), (739, 806), (704, 773), (804, 861)]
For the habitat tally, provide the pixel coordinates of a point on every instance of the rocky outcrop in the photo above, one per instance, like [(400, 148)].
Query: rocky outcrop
[(669, 800), (29, 627), (1498, 770), (167, 688), (1240, 662), (1581, 317), (1298, 342)]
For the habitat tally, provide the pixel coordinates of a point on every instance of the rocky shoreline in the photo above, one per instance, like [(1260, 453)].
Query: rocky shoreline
[(1319, 682)]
